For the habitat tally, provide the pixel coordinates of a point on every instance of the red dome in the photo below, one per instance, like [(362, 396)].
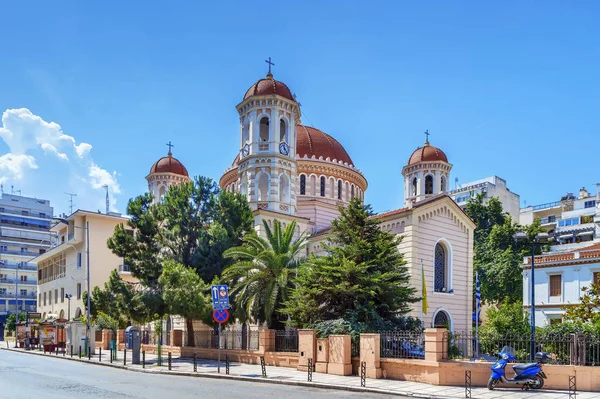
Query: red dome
[(311, 141), (269, 86), (427, 153), (169, 164)]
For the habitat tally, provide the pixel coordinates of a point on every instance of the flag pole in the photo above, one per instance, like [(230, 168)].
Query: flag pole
[(477, 307)]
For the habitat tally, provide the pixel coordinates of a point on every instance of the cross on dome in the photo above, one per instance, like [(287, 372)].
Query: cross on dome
[(427, 136), (270, 63), (170, 145)]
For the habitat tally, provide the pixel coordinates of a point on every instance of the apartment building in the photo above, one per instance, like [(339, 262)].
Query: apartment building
[(62, 270), (24, 234), (492, 186)]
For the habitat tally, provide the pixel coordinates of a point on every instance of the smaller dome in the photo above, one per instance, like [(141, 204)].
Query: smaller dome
[(269, 86), (427, 153), (169, 164)]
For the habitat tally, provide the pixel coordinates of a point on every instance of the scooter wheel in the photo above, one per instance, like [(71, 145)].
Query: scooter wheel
[(539, 382), (492, 382)]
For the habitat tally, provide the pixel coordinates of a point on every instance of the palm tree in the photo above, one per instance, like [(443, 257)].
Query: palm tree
[(263, 273)]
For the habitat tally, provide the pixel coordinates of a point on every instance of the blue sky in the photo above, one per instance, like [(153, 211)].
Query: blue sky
[(509, 89)]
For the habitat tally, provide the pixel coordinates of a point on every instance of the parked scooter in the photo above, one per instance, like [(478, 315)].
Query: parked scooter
[(529, 375)]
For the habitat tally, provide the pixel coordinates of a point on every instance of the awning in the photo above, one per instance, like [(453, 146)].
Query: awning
[(585, 233), (566, 236)]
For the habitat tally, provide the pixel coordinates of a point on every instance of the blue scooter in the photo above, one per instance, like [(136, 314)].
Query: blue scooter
[(529, 375)]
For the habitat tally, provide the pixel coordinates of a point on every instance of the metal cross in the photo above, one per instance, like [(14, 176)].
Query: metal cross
[(170, 145), (270, 63), (427, 135)]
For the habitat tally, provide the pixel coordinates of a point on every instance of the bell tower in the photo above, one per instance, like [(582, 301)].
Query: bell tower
[(267, 160)]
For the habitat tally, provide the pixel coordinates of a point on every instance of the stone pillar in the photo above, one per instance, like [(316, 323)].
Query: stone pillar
[(340, 355), (266, 341), (176, 337), (322, 355), (307, 348), (436, 344), (370, 345), (120, 337)]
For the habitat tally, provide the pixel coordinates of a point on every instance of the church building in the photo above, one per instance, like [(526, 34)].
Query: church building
[(289, 171)]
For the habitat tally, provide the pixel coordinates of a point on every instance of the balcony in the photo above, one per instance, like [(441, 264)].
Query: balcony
[(25, 226), (10, 295), (263, 147), (19, 252), (27, 213), (546, 205), (13, 266), (550, 220)]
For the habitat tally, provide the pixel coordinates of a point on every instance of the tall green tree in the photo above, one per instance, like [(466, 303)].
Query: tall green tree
[(363, 278), (588, 309), (262, 275), (498, 257), (11, 320)]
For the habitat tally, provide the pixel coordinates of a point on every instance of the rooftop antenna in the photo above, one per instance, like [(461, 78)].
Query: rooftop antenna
[(2, 188), (12, 189), (455, 183), (18, 191), (71, 202), (107, 199)]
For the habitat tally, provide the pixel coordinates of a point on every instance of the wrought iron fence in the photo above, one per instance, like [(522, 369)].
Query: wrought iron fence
[(230, 339), (286, 340), (577, 349), (402, 344)]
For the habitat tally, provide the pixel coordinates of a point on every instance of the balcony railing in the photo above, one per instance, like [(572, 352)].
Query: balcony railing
[(263, 147), (10, 295), (550, 219), (19, 252), (13, 266), (71, 236), (546, 205), (28, 213), (22, 226)]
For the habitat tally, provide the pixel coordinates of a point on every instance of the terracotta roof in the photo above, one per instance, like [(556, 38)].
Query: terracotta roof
[(427, 153), (268, 86), (169, 164), (592, 251)]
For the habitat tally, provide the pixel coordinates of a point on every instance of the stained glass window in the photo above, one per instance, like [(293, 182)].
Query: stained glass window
[(302, 184), (441, 320), (440, 268), (339, 189), (322, 186)]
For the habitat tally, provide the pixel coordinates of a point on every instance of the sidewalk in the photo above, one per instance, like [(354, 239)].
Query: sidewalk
[(284, 375)]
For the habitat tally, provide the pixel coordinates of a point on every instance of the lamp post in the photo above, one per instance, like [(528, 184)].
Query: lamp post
[(68, 297), (87, 250), (538, 240)]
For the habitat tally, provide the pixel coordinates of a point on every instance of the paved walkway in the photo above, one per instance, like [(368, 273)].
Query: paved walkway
[(284, 375)]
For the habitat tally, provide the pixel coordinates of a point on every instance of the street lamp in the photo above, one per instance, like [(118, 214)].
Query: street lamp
[(538, 240), (87, 250), (68, 297)]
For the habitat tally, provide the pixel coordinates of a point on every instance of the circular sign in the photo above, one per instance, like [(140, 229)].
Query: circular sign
[(221, 316)]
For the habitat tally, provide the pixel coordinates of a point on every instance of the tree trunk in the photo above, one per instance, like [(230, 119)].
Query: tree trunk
[(189, 326)]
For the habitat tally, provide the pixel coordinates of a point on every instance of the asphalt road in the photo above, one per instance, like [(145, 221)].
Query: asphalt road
[(24, 376)]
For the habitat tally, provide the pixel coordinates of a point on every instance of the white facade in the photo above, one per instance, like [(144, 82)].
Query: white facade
[(559, 279), (24, 234), (492, 186)]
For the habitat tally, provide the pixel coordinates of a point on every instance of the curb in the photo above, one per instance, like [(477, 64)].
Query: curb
[(238, 378)]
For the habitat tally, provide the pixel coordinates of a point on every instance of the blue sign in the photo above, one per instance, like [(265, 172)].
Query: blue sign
[(220, 296)]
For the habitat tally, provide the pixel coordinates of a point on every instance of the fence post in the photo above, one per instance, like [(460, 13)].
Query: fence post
[(572, 387), (89, 353), (143, 359), (263, 367), (467, 383), (124, 357), (310, 369), (110, 356), (71, 350), (100, 354), (363, 374), (56, 350), (195, 363), (169, 361), (80, 351)]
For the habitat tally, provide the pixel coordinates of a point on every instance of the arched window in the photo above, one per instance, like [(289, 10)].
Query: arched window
[(414, 187), (263, 187), (302, 184), (284, 188), (443, 184), (283, 131), (441, 320), (322, 186), (402, 227), (313, 185), (331, 188), (245, 132), (352, 192), (339, 189), (428, 184), (441, 268), (264, 129)]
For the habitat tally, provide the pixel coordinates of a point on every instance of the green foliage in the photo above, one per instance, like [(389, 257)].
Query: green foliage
[(183, 290), (588, 310), (498, 257), (11, 320), (507, 317), (363, 278), (262, 275), (105, 322)]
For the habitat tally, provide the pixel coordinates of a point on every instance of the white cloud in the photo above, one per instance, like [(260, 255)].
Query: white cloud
[(15, 165), (100, 177), (49, 148), (83, 149)]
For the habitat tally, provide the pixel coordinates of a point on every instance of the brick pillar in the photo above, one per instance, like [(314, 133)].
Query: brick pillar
[(322, 355), (176, 338), (436, 344), (370, 345), (120, 336), (266, 341), (106, 337), (340, 355), (307, 348)]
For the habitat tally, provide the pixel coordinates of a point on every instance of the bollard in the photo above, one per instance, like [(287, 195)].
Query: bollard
[(71, 350), (80, 351), (227, 364), (89, 353), (100, 355), (572, 387), (110, 356), (467, 383), (195, 363), (310, 370), (363, 374), (263, 367), (124, 357), (56, 350), (143, 359), (169, 361)]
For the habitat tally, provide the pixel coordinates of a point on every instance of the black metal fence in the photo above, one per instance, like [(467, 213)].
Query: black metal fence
[(286, 340), (402, 344), (230, 339), (355, 348), (576, 349)]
